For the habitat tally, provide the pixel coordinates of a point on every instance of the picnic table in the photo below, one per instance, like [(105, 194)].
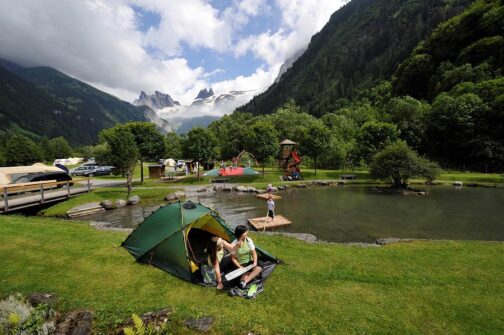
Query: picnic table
[(348, 176)]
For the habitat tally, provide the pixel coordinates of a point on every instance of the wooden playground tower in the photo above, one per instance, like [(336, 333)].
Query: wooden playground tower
[(288, 157)]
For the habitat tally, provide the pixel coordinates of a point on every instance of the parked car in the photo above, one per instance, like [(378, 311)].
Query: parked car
[(98, 171), (79, 171), (33, 177)]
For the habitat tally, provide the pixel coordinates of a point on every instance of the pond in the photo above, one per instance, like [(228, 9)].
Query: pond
[(359, 213)]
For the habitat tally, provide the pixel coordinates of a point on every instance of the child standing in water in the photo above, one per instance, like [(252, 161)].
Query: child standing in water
[(271, 207)]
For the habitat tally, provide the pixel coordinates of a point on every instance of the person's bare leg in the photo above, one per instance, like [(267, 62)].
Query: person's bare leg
[(255, 271)]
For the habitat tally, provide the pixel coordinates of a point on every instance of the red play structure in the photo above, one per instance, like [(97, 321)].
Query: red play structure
[(289, 160)]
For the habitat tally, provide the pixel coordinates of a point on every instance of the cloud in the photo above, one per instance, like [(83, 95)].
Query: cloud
[(101, 41), (191, 22), (300, 20)]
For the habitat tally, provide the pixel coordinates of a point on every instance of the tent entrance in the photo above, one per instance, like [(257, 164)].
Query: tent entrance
[(197, 241)]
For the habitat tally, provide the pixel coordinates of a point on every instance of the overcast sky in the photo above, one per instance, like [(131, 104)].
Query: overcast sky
[(174, 46)]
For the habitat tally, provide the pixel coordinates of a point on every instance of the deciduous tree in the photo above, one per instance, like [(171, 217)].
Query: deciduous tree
[(398, 163), (20, 150), (149, 142)]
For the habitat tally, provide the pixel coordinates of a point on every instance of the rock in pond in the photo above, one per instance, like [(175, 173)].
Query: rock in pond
[(201, 190), (120, 203), (107, 204), (241, 189), (134, 200), (175, 196)]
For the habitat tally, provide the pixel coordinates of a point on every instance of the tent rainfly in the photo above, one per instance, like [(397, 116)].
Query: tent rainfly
[(174, 238)]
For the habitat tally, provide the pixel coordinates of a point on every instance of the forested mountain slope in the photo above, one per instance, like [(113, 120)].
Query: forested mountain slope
[(90, 108), (362, 43), (25, 108), (459, 70)]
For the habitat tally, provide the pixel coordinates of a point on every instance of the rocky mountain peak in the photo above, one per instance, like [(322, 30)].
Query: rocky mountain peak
[(204, 93), (156, 101)]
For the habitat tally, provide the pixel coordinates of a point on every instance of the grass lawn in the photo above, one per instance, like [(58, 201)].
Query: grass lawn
[(407, 288)]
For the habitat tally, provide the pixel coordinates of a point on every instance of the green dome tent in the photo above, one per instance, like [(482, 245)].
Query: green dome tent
[(174, 238)]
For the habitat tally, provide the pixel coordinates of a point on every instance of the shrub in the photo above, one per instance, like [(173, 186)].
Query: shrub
[(398, 163)]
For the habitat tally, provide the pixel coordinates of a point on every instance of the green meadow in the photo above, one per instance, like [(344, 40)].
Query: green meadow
[(446, 287)]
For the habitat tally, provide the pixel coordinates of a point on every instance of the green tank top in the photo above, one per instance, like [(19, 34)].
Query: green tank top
[(243, 253), (220, 255)]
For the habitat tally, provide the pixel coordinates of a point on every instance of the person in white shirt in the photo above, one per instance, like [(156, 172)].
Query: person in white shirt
[(271, 208)]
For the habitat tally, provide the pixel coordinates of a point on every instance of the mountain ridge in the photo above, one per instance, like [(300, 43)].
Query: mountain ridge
[(362, 43)]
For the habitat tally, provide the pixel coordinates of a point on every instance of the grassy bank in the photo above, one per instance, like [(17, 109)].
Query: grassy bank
[(413, 288), (147, 196)]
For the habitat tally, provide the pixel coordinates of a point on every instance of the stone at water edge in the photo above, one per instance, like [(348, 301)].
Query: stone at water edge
[(251, 189), (201, 190), (134, 200), (119, 203), (107, 204), (301, 186), (175, 196), (241, 189)]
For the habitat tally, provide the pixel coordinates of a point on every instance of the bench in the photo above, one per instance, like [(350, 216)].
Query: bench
[(348, 176), (221, 180)]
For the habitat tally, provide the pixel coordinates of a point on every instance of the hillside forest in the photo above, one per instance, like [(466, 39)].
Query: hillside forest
[(444, 99)]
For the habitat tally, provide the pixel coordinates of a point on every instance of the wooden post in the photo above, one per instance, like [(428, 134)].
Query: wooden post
[(6, 202), (42, 193), (68, 190), (88, 185)]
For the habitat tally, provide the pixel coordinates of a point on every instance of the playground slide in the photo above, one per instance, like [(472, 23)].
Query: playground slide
[(296, 157)]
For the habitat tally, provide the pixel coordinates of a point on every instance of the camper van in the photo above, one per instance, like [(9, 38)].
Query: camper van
[(35, 172)]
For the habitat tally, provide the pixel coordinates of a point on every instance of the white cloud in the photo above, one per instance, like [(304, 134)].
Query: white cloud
[(238, 15), (99, 41), (301, 19), (193, 22)]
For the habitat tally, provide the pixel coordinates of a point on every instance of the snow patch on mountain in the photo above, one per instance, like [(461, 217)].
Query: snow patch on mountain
[(206, 107)]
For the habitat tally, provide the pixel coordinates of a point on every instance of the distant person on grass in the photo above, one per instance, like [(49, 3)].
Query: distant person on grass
[(245, 255)]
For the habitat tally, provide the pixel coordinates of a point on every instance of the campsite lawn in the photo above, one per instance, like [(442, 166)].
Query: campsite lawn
[(451, 287)]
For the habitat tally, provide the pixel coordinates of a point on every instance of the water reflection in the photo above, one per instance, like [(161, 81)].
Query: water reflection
[(357, 213)]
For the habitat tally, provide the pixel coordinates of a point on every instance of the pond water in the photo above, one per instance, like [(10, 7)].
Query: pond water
[(359, 213)]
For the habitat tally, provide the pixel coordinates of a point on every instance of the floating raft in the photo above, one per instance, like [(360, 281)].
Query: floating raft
[(265, 196), (267, 223)]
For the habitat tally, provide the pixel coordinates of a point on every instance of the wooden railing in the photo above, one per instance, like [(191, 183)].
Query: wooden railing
[(42, 186)]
